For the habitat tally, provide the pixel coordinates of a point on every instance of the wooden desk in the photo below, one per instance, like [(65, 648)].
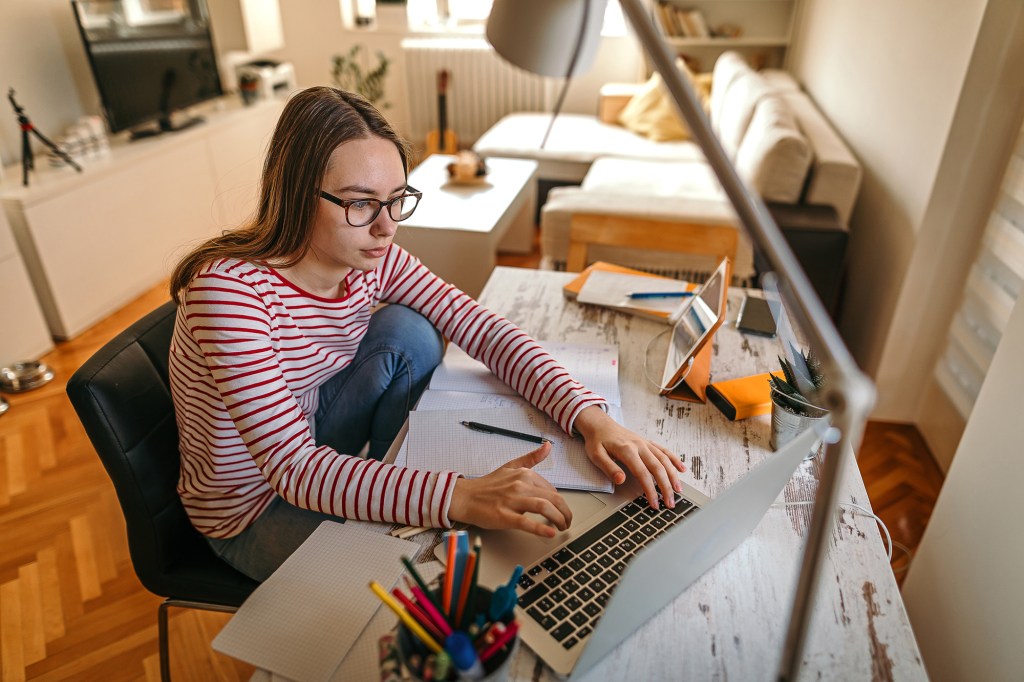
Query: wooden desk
[(731, 623)]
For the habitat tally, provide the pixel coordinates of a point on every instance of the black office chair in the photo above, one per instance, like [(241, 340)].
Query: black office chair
[(123, 399)]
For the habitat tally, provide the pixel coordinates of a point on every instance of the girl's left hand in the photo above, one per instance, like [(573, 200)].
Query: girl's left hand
[(608, 442)]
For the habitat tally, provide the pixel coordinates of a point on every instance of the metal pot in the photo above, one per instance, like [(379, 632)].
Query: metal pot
[(787, 425)]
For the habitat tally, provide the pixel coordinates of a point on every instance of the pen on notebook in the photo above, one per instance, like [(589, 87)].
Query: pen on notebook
[(487, 428), (660, 294)]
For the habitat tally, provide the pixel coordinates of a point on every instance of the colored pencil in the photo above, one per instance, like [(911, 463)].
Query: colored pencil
[(404, 616), (449, 576), (467, 582), (428, 608), (477, 547), (419, 581), (417, 613)]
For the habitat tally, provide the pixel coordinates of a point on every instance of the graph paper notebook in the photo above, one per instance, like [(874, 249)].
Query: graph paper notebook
[(303, 620), (438, 440)]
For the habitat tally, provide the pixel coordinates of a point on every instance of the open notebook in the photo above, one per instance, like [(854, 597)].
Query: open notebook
[(463, 389)]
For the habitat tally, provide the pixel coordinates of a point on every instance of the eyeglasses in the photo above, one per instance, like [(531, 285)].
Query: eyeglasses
[(361, 212)]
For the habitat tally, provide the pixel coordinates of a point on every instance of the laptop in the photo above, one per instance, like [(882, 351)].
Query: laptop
[(586, 590)]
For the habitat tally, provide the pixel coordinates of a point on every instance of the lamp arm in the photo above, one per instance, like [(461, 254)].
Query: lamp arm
[(852, 394)]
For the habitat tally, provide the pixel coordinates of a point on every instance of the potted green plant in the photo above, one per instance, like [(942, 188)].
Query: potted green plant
[(793, 408), (348, 73)]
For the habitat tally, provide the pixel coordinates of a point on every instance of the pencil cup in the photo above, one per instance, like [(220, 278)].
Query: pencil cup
[(414, 655)]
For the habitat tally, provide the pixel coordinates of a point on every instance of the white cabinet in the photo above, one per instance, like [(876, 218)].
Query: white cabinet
[(23, 331), (759, 29), (96, 240)]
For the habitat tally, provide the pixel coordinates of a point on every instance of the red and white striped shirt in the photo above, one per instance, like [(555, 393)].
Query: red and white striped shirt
[(248, 355)]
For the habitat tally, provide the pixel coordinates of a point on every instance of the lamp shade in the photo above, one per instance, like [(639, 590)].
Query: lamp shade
[(542, 35)]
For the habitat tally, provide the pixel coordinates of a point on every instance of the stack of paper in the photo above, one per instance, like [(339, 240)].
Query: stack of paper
[(291, 625), (611, 285)]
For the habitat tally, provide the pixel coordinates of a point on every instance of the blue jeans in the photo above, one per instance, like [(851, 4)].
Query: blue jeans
[(365, 403)]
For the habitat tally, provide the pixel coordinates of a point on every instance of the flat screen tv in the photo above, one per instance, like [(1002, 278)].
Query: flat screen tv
[(150, 58)]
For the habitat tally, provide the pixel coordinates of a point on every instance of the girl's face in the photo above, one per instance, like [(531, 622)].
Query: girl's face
[(369, 168)]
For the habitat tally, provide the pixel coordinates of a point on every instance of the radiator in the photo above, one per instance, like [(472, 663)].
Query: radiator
[(482, 87)]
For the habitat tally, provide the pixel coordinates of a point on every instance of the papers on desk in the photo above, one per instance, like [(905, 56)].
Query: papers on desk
[(594, 365), (304, 621), (463, 389), (438, 440), (609, 285)]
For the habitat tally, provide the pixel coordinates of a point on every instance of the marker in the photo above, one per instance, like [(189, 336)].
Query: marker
[(660, 294), (497, 430), (500, 642), (504, 598)]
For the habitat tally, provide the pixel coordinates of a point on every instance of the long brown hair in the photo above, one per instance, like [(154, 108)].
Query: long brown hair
[(314, 122)]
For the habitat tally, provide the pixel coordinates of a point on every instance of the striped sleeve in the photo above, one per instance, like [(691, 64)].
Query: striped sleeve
[(239, 341), (507, 350)]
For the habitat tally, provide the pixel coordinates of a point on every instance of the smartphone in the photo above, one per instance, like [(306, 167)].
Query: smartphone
[(756, 317)]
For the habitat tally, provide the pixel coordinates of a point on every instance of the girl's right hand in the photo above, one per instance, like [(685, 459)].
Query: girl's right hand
[(502, 498)]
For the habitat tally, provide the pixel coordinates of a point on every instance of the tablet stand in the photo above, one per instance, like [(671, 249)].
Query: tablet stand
[(693, 387)]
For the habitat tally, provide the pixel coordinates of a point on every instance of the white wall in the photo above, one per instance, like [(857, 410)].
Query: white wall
[(888, 75), (42, 58), (963, 591), (926, 93)]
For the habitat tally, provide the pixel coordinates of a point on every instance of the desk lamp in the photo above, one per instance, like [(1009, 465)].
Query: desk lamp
[(560, 38)]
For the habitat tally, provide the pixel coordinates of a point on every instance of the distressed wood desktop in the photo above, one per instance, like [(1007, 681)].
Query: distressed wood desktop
[(731, 623)]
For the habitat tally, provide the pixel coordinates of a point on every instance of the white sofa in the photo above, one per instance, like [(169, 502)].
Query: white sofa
[(778, 139)]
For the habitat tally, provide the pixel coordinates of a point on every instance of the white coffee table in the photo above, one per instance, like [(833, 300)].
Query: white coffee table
[(457, 229)]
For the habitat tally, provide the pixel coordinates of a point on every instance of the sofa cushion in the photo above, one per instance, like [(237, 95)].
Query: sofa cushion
[(650, 112), (739, 101), (774, 156), (728, 67), (575, 142), (835, 172)]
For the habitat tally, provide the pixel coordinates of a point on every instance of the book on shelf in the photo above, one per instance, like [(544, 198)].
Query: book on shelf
[(697, 24), (679, 22)]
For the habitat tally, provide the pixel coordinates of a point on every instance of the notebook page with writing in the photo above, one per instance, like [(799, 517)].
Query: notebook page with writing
[(303, 620), (438, 440), (460, 400)]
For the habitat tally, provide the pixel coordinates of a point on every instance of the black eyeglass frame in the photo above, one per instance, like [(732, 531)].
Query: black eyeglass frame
[(410, 191)]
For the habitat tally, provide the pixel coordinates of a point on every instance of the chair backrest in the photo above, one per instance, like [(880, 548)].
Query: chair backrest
[(714, 241), (122, 397)]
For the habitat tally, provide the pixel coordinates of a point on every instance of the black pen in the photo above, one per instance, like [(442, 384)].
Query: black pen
[(487, 428)]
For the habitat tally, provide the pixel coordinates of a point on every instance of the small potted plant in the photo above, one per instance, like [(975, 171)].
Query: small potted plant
[(793, 408), (348, 74)]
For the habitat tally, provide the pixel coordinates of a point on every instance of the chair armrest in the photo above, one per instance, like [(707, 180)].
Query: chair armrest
[(613, 99)]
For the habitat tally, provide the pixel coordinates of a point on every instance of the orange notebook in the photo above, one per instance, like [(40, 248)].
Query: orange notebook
[(743, 397), (572, 289)]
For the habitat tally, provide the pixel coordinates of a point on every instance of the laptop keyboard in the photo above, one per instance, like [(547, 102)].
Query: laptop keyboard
[(567, 590)]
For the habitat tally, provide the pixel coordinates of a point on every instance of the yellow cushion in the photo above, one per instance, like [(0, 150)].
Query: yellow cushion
[(651, 111)]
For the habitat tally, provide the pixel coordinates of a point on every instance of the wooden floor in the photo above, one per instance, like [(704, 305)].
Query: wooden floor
[(70, 605)]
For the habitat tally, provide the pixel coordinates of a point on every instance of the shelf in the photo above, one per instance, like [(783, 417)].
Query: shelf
[(724, 43)]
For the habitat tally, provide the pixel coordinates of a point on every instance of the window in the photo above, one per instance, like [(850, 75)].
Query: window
[(470, 16)]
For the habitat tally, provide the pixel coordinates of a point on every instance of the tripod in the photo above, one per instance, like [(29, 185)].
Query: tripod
[(27, 160)]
